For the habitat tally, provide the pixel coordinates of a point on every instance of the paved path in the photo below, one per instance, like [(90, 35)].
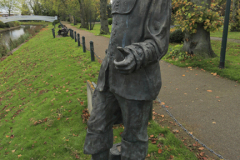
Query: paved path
[(214, 121), (229, 40)]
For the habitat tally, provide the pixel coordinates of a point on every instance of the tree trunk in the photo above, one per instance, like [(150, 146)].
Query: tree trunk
[(104, 18), (199, 43), (82, 12)]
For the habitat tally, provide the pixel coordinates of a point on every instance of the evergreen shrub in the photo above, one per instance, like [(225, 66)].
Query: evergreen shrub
[(176, 36), (109, 21)]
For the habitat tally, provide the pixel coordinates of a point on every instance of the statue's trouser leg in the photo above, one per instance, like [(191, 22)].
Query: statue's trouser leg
[(135, 119), (99, 138)]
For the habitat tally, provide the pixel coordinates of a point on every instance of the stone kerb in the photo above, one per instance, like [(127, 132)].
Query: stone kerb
[(90, 89)]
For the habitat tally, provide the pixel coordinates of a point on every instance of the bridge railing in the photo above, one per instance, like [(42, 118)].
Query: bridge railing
[(33, 17)]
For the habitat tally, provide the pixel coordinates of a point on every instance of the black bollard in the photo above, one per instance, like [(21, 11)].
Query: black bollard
[(83, 43), (72, 34), (92, 51), (79, 40), (53, 32), (75, 36)]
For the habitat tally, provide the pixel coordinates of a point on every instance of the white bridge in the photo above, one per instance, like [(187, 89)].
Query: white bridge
[(27, 18)]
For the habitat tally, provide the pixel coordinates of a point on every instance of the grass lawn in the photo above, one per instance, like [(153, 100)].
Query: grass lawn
[(96, 29), (35, 23), (42, 100), (232, 63), (231, 35)]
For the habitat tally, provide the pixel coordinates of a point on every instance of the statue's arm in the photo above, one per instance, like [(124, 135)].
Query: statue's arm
[(157, 30)]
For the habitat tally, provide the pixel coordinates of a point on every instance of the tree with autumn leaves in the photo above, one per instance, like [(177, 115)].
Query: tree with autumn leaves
[(197, 19)]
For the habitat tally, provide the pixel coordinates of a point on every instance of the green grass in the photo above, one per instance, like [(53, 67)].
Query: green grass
[(42, 98), (96, 29), (34, 23), (232, 63), (231, 35)]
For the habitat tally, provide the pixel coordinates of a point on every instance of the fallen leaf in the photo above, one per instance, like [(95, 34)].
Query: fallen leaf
[(58, 118), (67, 90), (201, 148), (7, 110), (13, 150), (183, 75), (7, 136), (217, 97), (201, 154), (148, 155), (153, 142), (171, 156), (175, 131), (162, 116), (152, 136), (162, 103), (214, 122), (159, 151), (19, 155), (209, 91)]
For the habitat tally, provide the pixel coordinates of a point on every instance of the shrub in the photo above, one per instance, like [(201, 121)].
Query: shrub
[(3, 50), (55, 22), (177, 53), (176, 36), (235, 26), (109, 21), (7, 25), (10, 24), (2, 25), (16, 23)]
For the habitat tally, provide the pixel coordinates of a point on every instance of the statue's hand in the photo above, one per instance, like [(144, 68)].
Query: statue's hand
[(128, 65)]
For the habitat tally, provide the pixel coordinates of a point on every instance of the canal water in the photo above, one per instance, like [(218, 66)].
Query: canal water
[(14, 34)]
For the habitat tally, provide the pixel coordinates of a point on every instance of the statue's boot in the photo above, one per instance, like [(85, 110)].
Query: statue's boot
[(101, 156)]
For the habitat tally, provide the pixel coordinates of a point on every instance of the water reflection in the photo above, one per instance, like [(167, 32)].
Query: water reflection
[(14, 34)]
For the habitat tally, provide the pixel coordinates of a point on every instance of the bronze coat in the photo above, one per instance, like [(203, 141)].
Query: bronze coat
[(146, 22)]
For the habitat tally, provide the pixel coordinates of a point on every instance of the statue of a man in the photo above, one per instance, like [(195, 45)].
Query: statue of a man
[(129, 78)]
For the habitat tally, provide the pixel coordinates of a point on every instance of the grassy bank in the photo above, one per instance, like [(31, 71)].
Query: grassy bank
[(35, 23), (232, 63), (43, 99), (96, 29), (12, 44)]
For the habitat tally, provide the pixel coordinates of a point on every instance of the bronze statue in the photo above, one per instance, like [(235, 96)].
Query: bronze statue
[(129, 78)]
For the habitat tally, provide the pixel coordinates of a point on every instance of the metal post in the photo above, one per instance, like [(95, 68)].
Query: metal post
[(225, 35), (53, 32), (92, 51), (72, 34), (79, 40), (75, 36), (83, 41)]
